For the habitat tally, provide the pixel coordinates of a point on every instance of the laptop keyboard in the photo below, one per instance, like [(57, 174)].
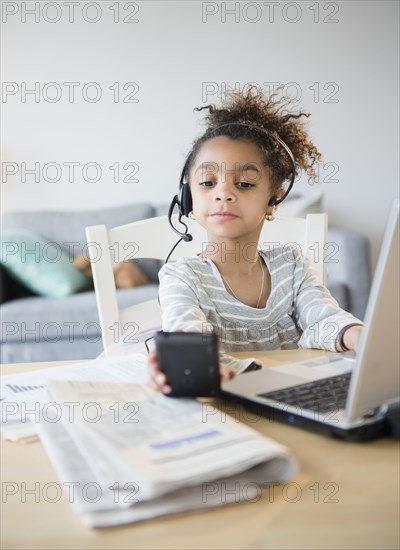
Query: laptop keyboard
[(324, 396)]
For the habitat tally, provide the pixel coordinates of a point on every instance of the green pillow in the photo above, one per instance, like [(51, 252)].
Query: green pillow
[(42, 266)]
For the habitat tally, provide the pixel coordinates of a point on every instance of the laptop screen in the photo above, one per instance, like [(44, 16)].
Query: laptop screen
[(376, 378)]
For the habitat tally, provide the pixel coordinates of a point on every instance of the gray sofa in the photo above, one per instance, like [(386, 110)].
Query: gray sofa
[(37, 328)]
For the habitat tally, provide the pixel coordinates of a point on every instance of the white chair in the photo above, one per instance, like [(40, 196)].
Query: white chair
[(153, 238)]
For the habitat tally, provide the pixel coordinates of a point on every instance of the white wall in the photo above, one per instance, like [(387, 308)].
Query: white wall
[(174, 52)]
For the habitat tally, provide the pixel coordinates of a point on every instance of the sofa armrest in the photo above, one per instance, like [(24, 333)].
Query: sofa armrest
[(348, 265)]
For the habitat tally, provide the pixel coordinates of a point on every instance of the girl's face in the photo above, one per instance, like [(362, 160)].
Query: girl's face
[(230, 188)]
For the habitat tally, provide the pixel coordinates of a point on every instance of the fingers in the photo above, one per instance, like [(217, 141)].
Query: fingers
[(227, 373), (158, 380)]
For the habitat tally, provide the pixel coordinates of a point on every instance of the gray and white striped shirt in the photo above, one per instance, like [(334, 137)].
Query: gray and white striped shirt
[(300, 312)]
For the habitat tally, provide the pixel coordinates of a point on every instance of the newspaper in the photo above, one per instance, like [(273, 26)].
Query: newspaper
[(23, 395), (125, 453)]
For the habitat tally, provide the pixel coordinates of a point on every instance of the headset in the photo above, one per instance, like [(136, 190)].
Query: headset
[(183, 200)]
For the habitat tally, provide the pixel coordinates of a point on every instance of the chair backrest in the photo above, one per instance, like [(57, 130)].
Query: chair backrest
[(153, 238)]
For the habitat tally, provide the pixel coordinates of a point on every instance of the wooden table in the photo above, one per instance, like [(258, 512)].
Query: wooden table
[(345, 495)]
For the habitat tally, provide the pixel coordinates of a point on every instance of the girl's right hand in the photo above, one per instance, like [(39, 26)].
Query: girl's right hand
[(158, 380)]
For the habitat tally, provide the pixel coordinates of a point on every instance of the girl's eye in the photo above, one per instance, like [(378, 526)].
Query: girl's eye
[(206, 183), (245, 185), (239, 184)]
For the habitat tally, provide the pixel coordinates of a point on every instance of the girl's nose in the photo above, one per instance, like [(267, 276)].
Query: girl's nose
[(224, 192)]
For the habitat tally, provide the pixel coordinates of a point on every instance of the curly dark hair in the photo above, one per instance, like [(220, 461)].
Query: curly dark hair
[(270, 114)]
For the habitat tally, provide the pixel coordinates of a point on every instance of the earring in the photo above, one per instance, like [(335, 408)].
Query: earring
[(270, 217), (191, 215)]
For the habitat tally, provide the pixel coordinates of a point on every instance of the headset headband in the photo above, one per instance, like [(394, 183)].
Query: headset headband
[(263, 131)]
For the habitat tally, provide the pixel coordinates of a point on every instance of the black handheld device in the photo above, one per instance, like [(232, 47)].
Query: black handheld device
[(190, 362)]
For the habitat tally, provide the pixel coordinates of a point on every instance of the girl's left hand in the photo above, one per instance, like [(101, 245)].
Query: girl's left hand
[(351, 337), (227, 373)]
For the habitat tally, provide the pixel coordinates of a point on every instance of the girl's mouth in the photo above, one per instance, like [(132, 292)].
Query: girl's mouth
[(224, 216)]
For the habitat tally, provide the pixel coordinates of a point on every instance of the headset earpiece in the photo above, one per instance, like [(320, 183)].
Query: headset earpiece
[(272, 201), (184, 197), (185, 202)]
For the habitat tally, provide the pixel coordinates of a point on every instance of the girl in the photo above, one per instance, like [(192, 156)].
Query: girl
[(253, 299)]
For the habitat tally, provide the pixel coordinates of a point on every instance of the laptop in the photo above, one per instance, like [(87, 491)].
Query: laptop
[(341, 395)]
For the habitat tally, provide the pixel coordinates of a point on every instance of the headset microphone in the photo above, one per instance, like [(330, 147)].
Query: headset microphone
[(184, 236)]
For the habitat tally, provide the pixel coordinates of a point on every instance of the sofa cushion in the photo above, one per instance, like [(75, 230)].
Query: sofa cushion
[(43, 269), (60, 350), (67, 228), (71, 318)]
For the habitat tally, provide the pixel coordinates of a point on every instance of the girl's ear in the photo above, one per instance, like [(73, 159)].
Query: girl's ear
[(275, 197), (280, 193)]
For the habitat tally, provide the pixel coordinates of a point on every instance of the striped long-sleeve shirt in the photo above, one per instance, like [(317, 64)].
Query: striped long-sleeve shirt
[(300, 312)]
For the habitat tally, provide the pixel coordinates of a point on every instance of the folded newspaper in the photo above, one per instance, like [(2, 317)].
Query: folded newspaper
[(125, 453)]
